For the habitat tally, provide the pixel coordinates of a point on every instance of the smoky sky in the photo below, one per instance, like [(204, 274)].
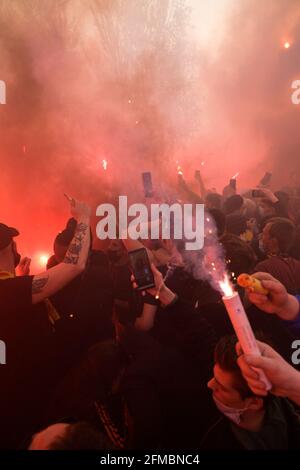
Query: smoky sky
[(126, 81)]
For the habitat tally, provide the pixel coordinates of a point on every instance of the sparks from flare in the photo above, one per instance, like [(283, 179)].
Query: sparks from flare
[(226, 287), (179, 168), (104, 164), (234, 177)]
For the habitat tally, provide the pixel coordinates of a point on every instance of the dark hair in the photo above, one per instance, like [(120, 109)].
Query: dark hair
[(226, 357), (65, 237), (219, 219), (236, 224), (284, 231), (80, 436), (283, 197), (214, 199), (233, 203), (239, 254)]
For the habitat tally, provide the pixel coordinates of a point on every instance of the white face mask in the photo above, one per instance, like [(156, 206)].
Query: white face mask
[(234, 414)]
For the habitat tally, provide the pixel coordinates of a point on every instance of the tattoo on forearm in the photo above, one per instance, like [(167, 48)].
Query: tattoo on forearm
[(39, 284), (73, 253)]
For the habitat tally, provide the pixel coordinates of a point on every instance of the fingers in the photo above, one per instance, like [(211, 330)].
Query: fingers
[(266, 364), (134, 284), (238, 349), (264, 276), (70, 199), (25, 262), (251, 376), (246, 362), (274, 286), (247, 371), (264, 348), (155, 271), (267, 351), (256, 298), (258, 388), (158, 278)]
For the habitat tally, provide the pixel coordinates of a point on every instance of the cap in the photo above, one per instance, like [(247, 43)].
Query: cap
[(65, 237), (6, 235)]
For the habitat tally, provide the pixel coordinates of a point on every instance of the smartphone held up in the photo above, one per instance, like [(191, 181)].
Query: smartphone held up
[(141, 269)]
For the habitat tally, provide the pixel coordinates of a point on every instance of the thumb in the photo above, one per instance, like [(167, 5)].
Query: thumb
[(260, 362), (155, 271)]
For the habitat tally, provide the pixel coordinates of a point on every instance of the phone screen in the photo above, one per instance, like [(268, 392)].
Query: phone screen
[(141, 268), (147, 182)]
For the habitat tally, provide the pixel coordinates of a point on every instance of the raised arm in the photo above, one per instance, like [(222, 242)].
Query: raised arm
[(49, 282), (202, 187)]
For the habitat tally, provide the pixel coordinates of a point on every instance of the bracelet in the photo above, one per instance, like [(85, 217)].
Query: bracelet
[(149, 299)]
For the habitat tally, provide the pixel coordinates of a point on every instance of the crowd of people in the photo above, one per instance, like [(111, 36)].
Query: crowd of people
[(93, 363)]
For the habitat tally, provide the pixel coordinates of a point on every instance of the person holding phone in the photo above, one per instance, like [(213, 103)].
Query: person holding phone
[(175, 321)]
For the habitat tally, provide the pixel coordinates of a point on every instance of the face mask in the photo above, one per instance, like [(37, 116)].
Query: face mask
[(234, 414)]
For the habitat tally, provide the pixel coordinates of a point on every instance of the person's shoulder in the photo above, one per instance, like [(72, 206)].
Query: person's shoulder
[(220, 436), (15, 288), (13, 282), (295, 261), (263, 265), (15, 291)]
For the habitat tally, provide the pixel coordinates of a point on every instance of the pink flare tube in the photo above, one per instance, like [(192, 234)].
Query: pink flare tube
[(244, 331)]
